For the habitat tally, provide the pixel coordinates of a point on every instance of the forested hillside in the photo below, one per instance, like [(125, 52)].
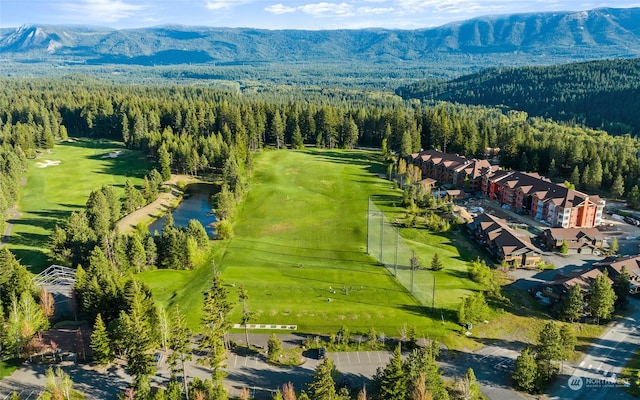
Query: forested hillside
[(445, 51), (598, 94)]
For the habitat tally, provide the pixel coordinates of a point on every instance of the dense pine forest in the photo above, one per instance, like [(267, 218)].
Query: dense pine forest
[(598, 94), (196, 129)]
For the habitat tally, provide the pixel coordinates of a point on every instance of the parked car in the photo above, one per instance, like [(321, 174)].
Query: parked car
[(322, 353)]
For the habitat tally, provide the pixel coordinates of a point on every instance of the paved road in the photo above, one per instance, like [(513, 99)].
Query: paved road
[(492, 366), (251, 372), (594, 377)]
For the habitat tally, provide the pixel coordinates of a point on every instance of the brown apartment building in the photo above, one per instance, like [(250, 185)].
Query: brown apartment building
[(557, 205), (527, 193), (451, 168)]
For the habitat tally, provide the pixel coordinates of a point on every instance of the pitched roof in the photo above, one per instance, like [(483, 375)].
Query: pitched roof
[(575, 234), (583, 278), (631, 263), (497, 230), (511, 243)]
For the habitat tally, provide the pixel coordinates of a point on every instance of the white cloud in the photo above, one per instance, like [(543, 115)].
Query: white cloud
[(220, 4), (225, 4), (280, 9), (374, 10), (325, 9), (102, 10)]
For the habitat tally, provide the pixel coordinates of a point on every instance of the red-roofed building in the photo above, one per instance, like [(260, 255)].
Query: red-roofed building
[(452, 168), (529, 193)]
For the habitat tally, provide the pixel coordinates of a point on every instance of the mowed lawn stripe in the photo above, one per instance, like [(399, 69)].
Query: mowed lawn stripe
[(301, 240), (300, 250)]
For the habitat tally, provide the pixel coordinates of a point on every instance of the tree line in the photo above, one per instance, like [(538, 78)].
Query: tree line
[(599, 94), (195, 130)]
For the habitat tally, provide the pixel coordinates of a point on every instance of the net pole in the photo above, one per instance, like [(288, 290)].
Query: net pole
[(433, 295), (396, 263), (381, 236), (368, 221)]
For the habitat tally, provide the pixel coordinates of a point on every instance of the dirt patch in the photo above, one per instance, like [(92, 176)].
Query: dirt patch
[(47, 163), (280, 228), (113, 154)]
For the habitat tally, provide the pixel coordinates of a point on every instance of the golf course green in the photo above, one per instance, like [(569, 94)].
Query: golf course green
[(59, 181), (300, 251), (299, 244)]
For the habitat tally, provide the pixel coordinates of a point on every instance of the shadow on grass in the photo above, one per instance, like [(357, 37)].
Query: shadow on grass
[(293, 255), (371, 161), (131, 163), (262, 242), (35, 260), (386, 200)]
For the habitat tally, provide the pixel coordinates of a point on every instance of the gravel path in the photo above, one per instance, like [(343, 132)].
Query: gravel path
[(161, 205)]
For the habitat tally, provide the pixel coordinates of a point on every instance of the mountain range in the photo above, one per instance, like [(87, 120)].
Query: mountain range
[(538, 38)]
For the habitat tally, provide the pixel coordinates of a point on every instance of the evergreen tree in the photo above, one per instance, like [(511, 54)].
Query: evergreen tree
[(179, 342), (297, 142), (614, 246), (468, 386), (136, 253), (601, 298), (567, 342), (215, 312), (150, 250), (138, 324), (274, 349), (113, 201), (617, 187), (564, 248), (621, 285), (393, 381), (197, 231), (549, 347), (574, 304), (421, 370), (436, 263), (100, 343), (133, 198), (14, 277), (525, 372), (164, 162), (633, 198), (575, 176), (98, 213), (323, 386)]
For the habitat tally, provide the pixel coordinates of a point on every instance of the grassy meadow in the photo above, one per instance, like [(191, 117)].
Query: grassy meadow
[(300, 251), (51, 193)]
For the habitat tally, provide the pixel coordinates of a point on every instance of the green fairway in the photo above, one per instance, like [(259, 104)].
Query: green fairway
[(8, 367), (300, 250), (50, 193)]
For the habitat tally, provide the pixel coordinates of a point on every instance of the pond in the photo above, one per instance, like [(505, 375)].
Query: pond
[(195, 205)]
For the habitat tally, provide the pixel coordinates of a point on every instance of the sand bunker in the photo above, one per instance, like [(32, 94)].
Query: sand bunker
[(113, 154), (47, 163)]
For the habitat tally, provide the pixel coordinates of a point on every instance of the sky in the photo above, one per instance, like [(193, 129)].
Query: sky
[(276, 14)]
